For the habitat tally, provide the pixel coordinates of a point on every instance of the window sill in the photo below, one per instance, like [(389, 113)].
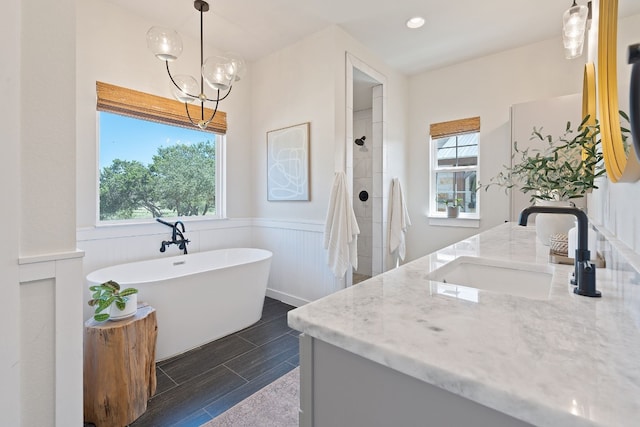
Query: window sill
[(152, 228), (461, 221)]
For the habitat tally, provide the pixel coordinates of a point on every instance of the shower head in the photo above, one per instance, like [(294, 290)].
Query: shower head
[(360, 141)]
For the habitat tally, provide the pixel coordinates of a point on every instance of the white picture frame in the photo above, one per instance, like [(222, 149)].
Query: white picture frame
[(288, 163)]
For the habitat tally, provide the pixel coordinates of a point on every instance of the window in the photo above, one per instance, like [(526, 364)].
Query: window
[(152, 164), (454, 167)]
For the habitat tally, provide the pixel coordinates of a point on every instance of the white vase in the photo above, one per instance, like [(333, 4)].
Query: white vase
[(572, 242), (130, 308), (550, 224)]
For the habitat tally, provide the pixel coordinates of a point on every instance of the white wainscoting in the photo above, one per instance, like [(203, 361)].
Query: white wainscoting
[(51, 341), (299, 271)]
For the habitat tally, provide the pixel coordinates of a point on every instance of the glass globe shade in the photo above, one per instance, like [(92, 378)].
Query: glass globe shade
[(238, 66), (165, 43), (189, 88), (217, 72), (574, 21)]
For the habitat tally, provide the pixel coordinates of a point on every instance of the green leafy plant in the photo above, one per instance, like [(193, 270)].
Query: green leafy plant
[(453, 203), (560, 168), (450, 202), (106, 294)]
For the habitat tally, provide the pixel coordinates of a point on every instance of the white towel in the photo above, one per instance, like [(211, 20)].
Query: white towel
[(398, 219), (341, 229)]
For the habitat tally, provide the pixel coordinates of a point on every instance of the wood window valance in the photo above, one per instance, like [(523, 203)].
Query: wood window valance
[(455, 127), (129, 102)]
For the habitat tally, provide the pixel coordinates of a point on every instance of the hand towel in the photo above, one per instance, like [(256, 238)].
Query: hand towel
[(341, 229), (398, 219)]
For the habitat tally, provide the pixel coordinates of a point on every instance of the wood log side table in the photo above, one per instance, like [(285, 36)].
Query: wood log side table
[(119, 368)]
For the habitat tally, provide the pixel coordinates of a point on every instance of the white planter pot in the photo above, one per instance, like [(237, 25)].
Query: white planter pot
[(453, 211), (550, 224), (130, 309)]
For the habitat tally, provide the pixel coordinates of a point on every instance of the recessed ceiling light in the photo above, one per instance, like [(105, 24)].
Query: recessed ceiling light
[(415, 22)]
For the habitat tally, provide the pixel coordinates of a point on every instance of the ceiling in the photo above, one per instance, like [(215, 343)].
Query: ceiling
[(455, 31)]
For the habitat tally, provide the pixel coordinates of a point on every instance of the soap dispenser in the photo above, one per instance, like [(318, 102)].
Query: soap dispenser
[(572, 241)]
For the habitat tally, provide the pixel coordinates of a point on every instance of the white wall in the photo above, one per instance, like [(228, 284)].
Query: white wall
[(48, 128), (50, 267), (484, 87), (296, 85), (292, 86), (615, 206), (305, 82), (10, 81), (41, 352)]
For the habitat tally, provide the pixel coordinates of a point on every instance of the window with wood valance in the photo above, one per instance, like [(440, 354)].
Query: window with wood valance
[(454, 168), (129, 102)]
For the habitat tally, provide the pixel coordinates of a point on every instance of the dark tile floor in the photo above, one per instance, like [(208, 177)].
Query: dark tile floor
[(196, 386)]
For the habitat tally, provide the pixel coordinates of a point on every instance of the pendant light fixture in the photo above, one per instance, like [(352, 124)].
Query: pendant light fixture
[(574, 23), (219, 72)]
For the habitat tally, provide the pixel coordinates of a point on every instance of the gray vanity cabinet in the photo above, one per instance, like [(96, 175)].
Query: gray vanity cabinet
[(340, 388)]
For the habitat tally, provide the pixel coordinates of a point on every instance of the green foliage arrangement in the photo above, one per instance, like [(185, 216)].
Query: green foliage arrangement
[(106, 294), (562, 168)]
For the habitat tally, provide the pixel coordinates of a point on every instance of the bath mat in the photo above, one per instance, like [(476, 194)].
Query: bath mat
[(275, 405)]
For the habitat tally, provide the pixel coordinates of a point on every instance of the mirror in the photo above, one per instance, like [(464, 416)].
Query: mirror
[(589, 97), (589, 93), (619, 156), (634, 95)]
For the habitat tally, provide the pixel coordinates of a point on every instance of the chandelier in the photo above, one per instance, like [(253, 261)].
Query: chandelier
[(574, 22), (219, 72)]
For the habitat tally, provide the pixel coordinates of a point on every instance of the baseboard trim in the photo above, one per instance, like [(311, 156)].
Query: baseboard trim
[(286, 298)]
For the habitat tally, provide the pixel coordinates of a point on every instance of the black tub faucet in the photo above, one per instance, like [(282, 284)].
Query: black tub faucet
[(177, 236), (585, 272)]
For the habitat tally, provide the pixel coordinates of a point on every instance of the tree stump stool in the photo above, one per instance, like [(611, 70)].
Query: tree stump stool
[(119, 368)]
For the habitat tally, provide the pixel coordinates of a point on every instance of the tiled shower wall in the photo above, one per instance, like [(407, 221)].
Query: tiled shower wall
[(363, 182)]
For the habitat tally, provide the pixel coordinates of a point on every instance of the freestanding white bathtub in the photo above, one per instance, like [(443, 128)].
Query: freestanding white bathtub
[(198, 297)]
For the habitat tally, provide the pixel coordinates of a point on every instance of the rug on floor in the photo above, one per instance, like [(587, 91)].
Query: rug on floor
[(275, 405)]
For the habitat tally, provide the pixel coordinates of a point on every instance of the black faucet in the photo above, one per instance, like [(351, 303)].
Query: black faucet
[(175, 234), (585, 272)]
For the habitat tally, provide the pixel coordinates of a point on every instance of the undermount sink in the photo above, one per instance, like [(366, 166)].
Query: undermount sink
[(514, 278)]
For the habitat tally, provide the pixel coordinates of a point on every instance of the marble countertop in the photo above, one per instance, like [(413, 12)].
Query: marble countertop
[(566, 361)]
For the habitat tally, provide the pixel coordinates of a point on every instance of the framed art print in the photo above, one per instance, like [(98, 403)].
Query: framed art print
[(288, 163)]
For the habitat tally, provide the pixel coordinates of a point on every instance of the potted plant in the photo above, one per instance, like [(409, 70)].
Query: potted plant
[(108, 295), (453, 207), (557, 171)]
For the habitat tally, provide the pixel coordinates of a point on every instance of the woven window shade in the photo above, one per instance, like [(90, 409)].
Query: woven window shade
[(455, 127), (128, 102)]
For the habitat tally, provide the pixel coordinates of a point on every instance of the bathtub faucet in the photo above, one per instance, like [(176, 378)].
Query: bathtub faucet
[(584, 271), (177, 236)]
